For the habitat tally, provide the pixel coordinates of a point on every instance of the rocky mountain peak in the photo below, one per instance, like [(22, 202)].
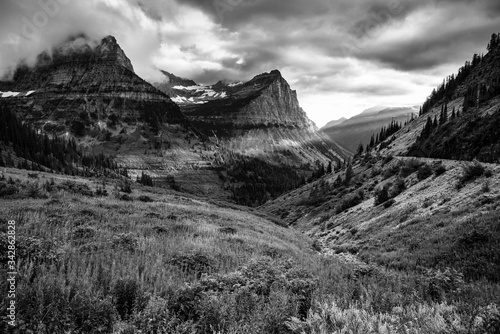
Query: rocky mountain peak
[(173, 80), (109, 50), (82, 49)]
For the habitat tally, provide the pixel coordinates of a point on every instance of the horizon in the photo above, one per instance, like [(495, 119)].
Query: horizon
[(343, 58)]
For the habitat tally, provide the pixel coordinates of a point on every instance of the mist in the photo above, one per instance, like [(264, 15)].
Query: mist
[(30, 27)]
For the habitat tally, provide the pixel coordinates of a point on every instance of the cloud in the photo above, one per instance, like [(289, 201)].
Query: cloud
[(346, 53)]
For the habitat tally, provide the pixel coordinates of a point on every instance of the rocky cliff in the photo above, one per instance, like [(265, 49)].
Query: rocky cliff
[(263, 117), (85, 86)]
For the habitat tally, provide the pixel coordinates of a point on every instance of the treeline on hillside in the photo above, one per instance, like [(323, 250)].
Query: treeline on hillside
[(385, 132), (445, 91), (254, 181), (462, 136), (39, 151)]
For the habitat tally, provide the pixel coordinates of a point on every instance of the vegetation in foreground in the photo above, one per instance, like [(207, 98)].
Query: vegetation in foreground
[(100, 264)]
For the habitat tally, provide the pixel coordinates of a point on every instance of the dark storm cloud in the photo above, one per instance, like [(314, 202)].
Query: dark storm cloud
[(237, 12), (427, 52)]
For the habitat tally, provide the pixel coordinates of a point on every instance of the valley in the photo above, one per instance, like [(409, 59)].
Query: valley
[(175, 207)]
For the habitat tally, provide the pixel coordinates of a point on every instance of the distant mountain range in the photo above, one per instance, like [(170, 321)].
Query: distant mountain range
[(359, 129)]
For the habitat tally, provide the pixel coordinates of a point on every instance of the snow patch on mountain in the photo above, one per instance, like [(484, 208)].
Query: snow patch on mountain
[(15, 94)]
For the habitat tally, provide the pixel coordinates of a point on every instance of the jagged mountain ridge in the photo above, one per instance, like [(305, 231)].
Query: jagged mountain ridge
[(186, 92), (359, 129)]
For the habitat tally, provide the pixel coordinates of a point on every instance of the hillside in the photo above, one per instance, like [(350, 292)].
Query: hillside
[(468, 129), (426, 201), (413, 213), (334, 123), (111, 260), (360, 128)]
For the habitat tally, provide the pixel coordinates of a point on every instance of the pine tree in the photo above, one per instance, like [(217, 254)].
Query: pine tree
[(360, 150), (348, 174)]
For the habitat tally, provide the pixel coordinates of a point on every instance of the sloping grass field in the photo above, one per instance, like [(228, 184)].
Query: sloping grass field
[(96, 257)]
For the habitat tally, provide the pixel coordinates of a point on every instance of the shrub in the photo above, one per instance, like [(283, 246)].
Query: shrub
[(389, 172), (381, 195), (486, 187), (259, 297), (7, 190), (125, 186), (439, 170), (125, 297), (125, 198), (397, 188), (227, 230), (350, 201), (101, 192), (409, 167), (470, 172), (33, 249), (424, 172), (438, 283), (83, 234), (125, 241), (145, 199), (156, 318), (388, 159), (488, 173), (193, 263), (76, 188), (389, 203), (92, 314)]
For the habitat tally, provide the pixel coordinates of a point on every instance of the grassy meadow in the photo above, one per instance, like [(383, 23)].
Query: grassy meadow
[(98, 257)]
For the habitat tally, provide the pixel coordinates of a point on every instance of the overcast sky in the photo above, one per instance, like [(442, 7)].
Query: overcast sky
[(342, 56)]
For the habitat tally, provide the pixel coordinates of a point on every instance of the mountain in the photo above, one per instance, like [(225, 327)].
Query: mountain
[(263, 118), (461, 118), (86, 90), (360, 128), (187, 92), (334, 123)]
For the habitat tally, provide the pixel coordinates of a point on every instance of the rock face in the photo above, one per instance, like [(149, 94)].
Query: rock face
[(86, 86), (263, 116)]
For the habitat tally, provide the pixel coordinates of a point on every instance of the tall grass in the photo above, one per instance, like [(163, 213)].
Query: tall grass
[(180, 265)]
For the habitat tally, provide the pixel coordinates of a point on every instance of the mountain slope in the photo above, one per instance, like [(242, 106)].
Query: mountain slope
[(263, 118), (334, 123), (360, 128), (430, 217), (470, 102)]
